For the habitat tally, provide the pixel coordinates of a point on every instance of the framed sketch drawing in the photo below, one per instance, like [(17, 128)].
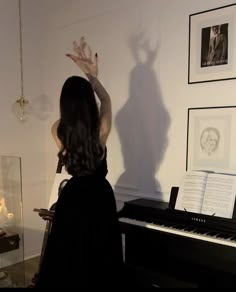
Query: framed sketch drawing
[(211, 139), (212, 45)]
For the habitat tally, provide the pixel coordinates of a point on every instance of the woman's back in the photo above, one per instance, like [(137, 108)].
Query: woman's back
[(84, 248)]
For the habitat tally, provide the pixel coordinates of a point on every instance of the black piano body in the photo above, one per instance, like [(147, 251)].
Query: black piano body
[(185, 250)]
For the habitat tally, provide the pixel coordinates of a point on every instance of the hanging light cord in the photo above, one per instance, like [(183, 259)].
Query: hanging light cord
[(21, 51)]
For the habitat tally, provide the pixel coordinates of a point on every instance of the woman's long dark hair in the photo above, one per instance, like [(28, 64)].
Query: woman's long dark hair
[(79, 125)]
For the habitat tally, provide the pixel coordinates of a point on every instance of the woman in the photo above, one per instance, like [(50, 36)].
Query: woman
[(84, 248)]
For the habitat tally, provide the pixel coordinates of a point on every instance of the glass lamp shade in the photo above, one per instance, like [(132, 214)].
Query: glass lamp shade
[(21, 109)]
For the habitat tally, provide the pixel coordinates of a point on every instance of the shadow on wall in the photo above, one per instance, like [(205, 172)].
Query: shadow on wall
[(142, 124), (41, 107)]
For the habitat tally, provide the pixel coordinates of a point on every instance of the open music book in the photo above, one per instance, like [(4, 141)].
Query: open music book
[(207, 193)]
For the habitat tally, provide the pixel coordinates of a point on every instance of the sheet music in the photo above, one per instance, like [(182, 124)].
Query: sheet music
[(191, 192), (219, 195)]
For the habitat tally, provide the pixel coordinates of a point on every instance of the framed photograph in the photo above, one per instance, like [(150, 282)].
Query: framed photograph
[(211, 139), (212, 45)]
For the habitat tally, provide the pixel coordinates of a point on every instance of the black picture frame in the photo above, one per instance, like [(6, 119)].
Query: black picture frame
[(211, 139), (211, 57)]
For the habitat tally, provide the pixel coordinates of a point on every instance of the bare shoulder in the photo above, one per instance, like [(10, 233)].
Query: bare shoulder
[(54, 133)]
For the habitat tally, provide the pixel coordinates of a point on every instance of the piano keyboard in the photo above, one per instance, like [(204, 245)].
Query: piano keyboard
[(183, 231)]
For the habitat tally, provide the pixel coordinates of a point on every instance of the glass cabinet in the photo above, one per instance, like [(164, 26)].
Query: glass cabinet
[(11, 223)]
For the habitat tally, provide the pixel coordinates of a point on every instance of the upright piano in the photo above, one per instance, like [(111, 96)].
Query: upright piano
[(170, 248)]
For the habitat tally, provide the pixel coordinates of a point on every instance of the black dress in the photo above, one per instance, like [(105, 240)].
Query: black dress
[(84, 249)]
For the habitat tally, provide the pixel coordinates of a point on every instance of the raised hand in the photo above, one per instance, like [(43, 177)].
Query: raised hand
[(83, 58)]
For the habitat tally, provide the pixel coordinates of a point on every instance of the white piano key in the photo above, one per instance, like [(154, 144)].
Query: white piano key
[(171, 230)]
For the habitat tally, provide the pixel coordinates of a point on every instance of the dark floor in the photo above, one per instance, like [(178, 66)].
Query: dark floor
[(20, 274)]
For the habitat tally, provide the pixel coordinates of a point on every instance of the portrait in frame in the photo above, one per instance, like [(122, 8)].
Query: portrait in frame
[(211, 139), (212, 44)]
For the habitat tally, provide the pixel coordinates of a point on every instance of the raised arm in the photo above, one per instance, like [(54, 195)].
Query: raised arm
[(89, 66), (105, 108)]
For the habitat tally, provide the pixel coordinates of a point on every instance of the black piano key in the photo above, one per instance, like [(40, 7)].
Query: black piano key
[(179, 226), (200, 231), (168, 224), (158, 222), (190, 228), (212, 233), (223, 236)]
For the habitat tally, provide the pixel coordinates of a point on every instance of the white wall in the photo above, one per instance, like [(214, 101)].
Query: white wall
[(147, 145), (27, 140)]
